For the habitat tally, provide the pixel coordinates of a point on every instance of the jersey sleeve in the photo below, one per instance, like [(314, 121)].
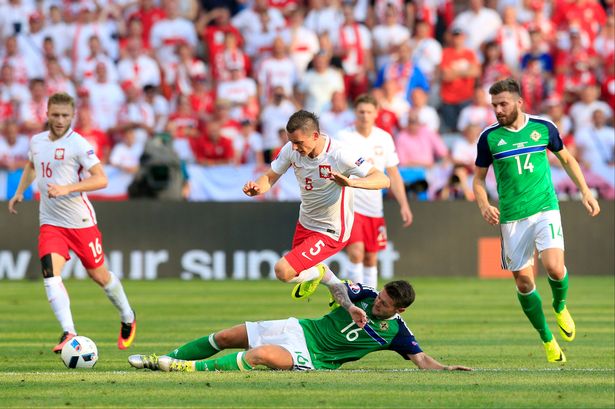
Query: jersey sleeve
[(404, 342), (352, 163), (358, 292), (281, 164), (86, 156), (483, 154), (391, 153), (555, 141)]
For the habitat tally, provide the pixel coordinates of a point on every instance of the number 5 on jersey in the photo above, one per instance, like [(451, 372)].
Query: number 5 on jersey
[(314, 250)]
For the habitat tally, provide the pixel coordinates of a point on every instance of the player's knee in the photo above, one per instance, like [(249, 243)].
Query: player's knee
[(524, 284), (47, 266), (554, 268), (283, 270)]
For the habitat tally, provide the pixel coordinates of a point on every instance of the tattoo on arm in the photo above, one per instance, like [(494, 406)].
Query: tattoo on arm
[(340, 294)]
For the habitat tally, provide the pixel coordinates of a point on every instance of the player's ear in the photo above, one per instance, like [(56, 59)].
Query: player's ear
[(400, 310)]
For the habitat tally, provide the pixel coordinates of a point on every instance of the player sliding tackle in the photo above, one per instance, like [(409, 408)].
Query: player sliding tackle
[(323, 168), (367, 321)]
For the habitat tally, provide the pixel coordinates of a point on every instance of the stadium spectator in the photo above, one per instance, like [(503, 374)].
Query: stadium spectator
[(573, 67), (390, 99), (126, 154), (555, 112), (258, 26), (459, 71), (167, 33), (581, 111), (326, 212), (596, 146), (323, 17), (368, 235), (160, 106), (318, 84), (31, 44), (57, 80), (404, 73), (14, 17), (463, 154), (203, 98), (302, 42), (276, 70), (249, 146), (352, 42), (241, 92), (230, 126), (418, 146), (105, 98), (604, 44), (23, 69), (480, 24), (479, 112), (85, 67), (99, 139), (230, 55), (273, 117), (290, 344), (148, 14), (213, 148), (426, 51), (58, 30), (138, 67), (134, 32), (534, 86), (538, 50), (33, 113), (427, 114), (179, 72), (588, 15), (13, 146), (608, 82), (184, 128), (136, 114), (338, 116), (215, 27), (388, 36), (87, 26), (513, 38), (528, 177), (493, 67), (12, 93)]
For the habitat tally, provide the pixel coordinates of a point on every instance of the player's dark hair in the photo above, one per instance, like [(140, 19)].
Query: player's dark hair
[(401, 292), (61, 98), (304, 120), (365, 99), (507, 85)]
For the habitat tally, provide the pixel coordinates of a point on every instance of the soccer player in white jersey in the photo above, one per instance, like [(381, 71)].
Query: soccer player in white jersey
[(59, 158), (368, 235), (367, 321), (323, 168)]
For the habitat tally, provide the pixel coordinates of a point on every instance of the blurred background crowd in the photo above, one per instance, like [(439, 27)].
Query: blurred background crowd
[(168, 89)]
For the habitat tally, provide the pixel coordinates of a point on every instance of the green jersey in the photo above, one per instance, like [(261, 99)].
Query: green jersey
[(521, 166), (335, 338)]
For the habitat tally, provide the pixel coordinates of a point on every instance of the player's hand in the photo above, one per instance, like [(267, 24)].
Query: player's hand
[(358, 316), (457, 368), (406, 216), (56, 190), (251, 189), (591, 204), (340, 179), (491, 214), (14, 200)]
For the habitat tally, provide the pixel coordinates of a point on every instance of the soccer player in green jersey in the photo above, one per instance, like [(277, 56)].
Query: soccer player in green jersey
[(528, 212), (367, 321)]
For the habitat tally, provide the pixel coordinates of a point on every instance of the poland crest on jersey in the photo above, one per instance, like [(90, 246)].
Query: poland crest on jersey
[(324, 171), (59, 154)]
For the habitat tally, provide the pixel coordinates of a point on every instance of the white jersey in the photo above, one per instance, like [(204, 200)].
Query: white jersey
[(63, 162), (379, 150), (326, 207)]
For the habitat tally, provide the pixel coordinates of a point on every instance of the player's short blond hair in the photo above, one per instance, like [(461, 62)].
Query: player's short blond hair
[(61, 98)]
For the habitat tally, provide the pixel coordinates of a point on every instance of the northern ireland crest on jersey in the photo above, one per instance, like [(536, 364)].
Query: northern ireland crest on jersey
[(324, 171), (59, 154), (535, 136), (384, 325)]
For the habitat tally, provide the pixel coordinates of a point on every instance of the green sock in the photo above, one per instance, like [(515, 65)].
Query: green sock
[(532, 307), (560, 291), (200, 348), (229, 362)]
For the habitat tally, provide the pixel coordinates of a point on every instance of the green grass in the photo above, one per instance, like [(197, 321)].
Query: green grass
[(456, 320)]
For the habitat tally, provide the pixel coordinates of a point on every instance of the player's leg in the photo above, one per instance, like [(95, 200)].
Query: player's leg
[(271, 356), (370, 269), (356, 254), (375, 240), (87, 244), (204, 347), (550, 243)]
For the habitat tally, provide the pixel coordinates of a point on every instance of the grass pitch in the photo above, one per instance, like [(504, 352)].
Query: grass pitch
[(456, 320)]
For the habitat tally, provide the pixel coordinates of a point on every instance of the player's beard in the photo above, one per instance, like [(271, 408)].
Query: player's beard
[(508, 120), (53, 131)]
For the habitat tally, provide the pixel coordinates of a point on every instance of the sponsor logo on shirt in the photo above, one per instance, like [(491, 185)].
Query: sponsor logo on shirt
[(90, 152), (520, 144), (359, 161), (325, 171), (59, 154), (355, 288), (535, 136)]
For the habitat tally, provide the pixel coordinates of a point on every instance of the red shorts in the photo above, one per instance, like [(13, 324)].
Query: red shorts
[(310, 248), (371, 231), (86, 243)]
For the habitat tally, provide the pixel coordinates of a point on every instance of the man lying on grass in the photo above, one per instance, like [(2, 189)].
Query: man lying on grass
[(365, 321)]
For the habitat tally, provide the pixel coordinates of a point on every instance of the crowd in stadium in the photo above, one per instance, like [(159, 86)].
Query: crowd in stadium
[(218, 79)]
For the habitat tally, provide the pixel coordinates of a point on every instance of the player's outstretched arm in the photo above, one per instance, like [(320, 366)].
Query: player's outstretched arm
[(262, 184), (374, 180), (570, 164), (96, 180), (491, 214), (424, 361), (27, 177), (399, 192), (339, 293)]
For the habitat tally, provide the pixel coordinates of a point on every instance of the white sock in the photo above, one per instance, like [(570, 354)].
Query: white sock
[(117, 296), (329, 278), (370, 276), (355, 272), (60, 303), (314, 272)]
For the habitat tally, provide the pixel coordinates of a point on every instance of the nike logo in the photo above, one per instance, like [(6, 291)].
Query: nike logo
[(298, 292), (568, 334), (97, 260)]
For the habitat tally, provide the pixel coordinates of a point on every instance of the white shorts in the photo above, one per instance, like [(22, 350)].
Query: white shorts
[(285, 333), (540, 231)]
